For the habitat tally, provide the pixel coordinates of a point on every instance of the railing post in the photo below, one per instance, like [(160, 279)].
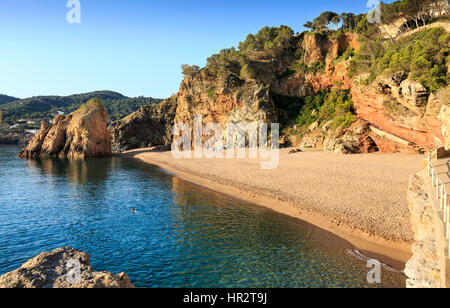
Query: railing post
[(429, 163), (432, 178), (445, 206), (437, 189)]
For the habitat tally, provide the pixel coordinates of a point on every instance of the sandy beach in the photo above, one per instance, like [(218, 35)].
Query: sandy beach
[(361, 198)]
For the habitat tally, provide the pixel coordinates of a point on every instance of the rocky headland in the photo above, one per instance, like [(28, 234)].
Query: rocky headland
[(147, 127), (62, 268), (81, 134), (394, 113)]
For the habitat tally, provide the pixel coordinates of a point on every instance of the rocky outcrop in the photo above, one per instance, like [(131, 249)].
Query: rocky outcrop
[(320, 47), (400, 107), (427, 267), (147, 127), (354, 140), (80, 134), (62, 268), (223, 100)]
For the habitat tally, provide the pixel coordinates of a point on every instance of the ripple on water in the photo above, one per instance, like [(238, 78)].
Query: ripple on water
[(182, 235)]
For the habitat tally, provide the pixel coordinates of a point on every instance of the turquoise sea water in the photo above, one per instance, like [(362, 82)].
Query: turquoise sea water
[(182, 235)]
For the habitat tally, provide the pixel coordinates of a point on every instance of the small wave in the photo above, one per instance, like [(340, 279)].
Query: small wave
[(359, 256)]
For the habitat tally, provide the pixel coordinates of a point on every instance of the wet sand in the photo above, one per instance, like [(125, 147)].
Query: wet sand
[(361, 198)]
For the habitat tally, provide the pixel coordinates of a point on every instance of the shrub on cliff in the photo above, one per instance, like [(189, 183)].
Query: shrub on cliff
[(256, 56), (268, 42), (226, 62), (188, 70), (423, 55), (338, 108)]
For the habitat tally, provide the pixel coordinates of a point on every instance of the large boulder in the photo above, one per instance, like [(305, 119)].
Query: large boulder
[(62, 268), (356, 139), (80, 134), (147, 127)]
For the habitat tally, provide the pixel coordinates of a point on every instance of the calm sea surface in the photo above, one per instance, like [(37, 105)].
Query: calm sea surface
[(182, 235)]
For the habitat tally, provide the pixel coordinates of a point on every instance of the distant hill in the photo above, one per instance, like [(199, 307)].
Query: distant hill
[(46, 107), (6, 99)]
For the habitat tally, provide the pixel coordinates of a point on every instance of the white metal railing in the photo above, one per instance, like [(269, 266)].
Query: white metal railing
[(441, 195)]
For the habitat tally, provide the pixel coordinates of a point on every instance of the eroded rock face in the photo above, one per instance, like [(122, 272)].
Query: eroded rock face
[(222, 101), (318, 47), (147, 127), (400, 107), (354, 140), (60, 269), (80, 134)]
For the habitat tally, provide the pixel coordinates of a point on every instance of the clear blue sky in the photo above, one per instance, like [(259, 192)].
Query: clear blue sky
[(134, 47)]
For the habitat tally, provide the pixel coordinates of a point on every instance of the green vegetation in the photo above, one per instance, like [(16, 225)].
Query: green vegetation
[(259, 52), (211, 93), (189, 70), (416, 12), (275, 54), (337, 107), (349, 53), (267, 43), (46, 107), (4, 99), (92, 104), (326, 20), (424, 56), (326, 106)]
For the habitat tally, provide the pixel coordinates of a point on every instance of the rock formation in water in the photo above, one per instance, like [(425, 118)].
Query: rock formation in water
[(147, 127), (80, 134), (62, 268)]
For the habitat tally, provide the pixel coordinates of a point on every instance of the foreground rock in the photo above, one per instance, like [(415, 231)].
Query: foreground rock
[(80, 134), (147, 127), (55, 270)]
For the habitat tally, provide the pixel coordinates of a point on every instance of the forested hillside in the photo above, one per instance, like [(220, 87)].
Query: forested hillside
[(4, 99), (46, 107)]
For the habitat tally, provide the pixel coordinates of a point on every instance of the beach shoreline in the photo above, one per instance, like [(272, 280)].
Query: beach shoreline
[(394, 253)]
